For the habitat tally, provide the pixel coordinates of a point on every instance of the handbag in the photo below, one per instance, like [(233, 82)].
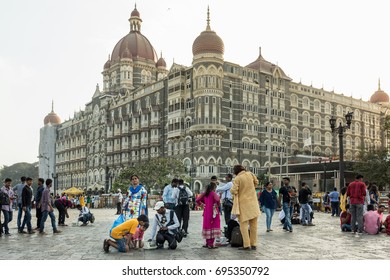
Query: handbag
[(178, 235), (227, 202)]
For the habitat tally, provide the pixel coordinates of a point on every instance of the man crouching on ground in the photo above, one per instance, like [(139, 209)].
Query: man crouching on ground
[(123, 234), (167, 223)]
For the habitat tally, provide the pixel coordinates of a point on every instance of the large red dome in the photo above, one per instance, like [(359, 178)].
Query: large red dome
[(138, 45), (134, 42)]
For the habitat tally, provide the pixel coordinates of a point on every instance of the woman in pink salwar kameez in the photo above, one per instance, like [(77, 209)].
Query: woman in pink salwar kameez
[(211, 218)]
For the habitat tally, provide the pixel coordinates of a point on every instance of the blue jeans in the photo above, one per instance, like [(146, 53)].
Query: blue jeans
[(287, 211), (44, 218), (7, 218), (306, 218), (27, 219), (121, 244), (20, 212), (346, 227), (268, 213)]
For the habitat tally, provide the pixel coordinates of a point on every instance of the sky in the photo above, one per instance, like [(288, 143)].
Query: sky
[(55, 50)]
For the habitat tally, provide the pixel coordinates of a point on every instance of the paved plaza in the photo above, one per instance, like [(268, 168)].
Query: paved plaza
[(324, 241)]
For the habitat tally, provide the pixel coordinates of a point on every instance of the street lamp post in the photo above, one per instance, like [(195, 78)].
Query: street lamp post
[(324, 162), (340, 131)]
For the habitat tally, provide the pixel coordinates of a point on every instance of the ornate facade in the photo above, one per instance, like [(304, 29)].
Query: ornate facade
[(211, 115)]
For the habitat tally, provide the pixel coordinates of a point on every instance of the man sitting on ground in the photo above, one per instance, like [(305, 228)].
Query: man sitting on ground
[(345, 219), (85, 215), (123, 234), (167, 222), (371, 220)]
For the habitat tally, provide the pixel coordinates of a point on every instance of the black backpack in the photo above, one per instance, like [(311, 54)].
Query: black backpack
[(4, 198), (183, 196), (236, 238)]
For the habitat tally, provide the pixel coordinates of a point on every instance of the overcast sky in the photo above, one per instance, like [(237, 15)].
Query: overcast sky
[(56, 49)]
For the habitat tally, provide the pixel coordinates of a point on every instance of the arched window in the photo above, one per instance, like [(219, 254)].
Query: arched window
[(305, 103), (294, 116), (317, 137), (328, 139), (317, 120), (294, 100), (317, 105), (328, 108), (305, 119), (294, 134)]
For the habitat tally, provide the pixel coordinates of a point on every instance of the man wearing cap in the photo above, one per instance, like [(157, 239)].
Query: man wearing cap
[(165, 225), (119, 203)]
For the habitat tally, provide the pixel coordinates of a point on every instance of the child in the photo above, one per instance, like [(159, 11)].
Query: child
[(137, 238), (122, 234)]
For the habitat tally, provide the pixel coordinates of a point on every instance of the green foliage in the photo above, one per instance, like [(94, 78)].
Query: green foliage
[(374, 166), (18, 170), (155, 172)]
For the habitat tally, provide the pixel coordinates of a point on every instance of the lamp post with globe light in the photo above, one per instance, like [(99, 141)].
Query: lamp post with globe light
[(340, 131)]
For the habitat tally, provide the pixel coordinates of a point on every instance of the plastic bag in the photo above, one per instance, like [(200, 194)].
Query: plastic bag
[(121, 219)]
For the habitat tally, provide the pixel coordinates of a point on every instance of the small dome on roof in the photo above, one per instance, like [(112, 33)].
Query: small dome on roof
[(379, 96), (52, 117)]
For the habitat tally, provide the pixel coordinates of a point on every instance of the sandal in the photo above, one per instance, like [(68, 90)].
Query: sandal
[(106, 246), (205, 246), (212, 247)]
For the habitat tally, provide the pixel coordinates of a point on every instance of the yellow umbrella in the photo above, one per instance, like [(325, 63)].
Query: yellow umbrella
[(73, 191)]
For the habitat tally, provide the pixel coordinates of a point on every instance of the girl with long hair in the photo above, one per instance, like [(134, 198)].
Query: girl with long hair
[(211, 228)]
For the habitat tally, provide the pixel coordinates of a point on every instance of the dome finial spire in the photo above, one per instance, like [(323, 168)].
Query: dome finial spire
[(52, 106), (208, 19), (379, 84), (135, 20)]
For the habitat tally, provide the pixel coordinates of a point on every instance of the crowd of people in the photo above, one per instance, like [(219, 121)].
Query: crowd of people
[(236, 200), (357, 205), (23, 200)]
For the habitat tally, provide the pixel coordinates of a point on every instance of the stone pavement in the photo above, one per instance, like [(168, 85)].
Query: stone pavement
[(324, 241)]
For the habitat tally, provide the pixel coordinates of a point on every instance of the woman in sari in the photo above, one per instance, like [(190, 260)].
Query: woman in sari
[(136, 201), (211, 218), (343, 199)]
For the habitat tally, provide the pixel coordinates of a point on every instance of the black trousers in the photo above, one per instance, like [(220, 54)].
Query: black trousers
[(183, 213), (119, 207), (61, 212), (39, 216), (165, 235), (227, 212)]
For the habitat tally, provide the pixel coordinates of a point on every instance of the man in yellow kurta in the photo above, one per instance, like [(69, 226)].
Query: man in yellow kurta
[(244, 189)]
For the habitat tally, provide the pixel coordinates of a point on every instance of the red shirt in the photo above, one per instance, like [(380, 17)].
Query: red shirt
[(344, 215), (356, 192)]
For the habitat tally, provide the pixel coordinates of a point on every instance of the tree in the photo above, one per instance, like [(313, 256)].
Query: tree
[(155, 172), (386, 130), (374, 165), (18, 170)]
